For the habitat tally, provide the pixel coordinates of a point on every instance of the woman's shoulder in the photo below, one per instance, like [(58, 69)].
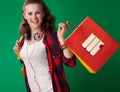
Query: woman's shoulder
[(52, 34), (51, 37)]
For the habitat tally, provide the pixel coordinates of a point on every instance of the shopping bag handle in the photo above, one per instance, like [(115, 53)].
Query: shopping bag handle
[(70, 23)]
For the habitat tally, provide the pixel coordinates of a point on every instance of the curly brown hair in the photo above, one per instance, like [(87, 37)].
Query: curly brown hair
[(48, 24)]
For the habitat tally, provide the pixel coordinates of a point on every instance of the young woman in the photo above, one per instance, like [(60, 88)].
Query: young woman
[(42, 50)]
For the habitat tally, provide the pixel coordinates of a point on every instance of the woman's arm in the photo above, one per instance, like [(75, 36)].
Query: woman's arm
[(60, 33)]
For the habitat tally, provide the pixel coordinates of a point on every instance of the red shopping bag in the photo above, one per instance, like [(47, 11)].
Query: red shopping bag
[(91, 45)]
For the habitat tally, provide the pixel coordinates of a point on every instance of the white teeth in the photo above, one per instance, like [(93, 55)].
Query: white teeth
[(35, 22)]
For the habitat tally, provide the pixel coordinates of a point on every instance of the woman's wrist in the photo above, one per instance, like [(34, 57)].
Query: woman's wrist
[(63, 46), (61, 40)]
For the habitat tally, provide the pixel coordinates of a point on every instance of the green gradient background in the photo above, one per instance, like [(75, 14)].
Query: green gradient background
[(105, 12)]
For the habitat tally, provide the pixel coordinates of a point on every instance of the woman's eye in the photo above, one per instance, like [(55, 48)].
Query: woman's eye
[(29, 13), (38, 12)]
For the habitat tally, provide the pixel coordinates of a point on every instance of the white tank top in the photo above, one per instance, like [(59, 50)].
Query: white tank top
[(36, 63)]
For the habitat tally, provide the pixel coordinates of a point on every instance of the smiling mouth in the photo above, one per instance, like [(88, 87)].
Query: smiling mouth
[(35, 22)]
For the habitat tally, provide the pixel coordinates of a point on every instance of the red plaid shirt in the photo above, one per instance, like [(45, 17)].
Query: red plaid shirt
[(55, 61)]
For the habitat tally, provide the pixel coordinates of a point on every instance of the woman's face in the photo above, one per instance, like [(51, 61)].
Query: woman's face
[(34, 14)]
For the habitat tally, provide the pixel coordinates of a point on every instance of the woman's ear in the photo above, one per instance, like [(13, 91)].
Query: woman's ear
[(24, 15)]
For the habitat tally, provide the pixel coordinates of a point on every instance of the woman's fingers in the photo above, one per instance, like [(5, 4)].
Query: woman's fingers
[(17, 47)]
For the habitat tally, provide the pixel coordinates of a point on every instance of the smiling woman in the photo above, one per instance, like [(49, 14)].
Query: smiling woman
[(40, 49), (104, 12), (33, 15)]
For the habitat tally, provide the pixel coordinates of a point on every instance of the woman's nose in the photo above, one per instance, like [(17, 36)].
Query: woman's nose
[(34, 16)]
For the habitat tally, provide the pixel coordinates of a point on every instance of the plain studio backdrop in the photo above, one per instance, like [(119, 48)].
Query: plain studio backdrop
[(105, 12)]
